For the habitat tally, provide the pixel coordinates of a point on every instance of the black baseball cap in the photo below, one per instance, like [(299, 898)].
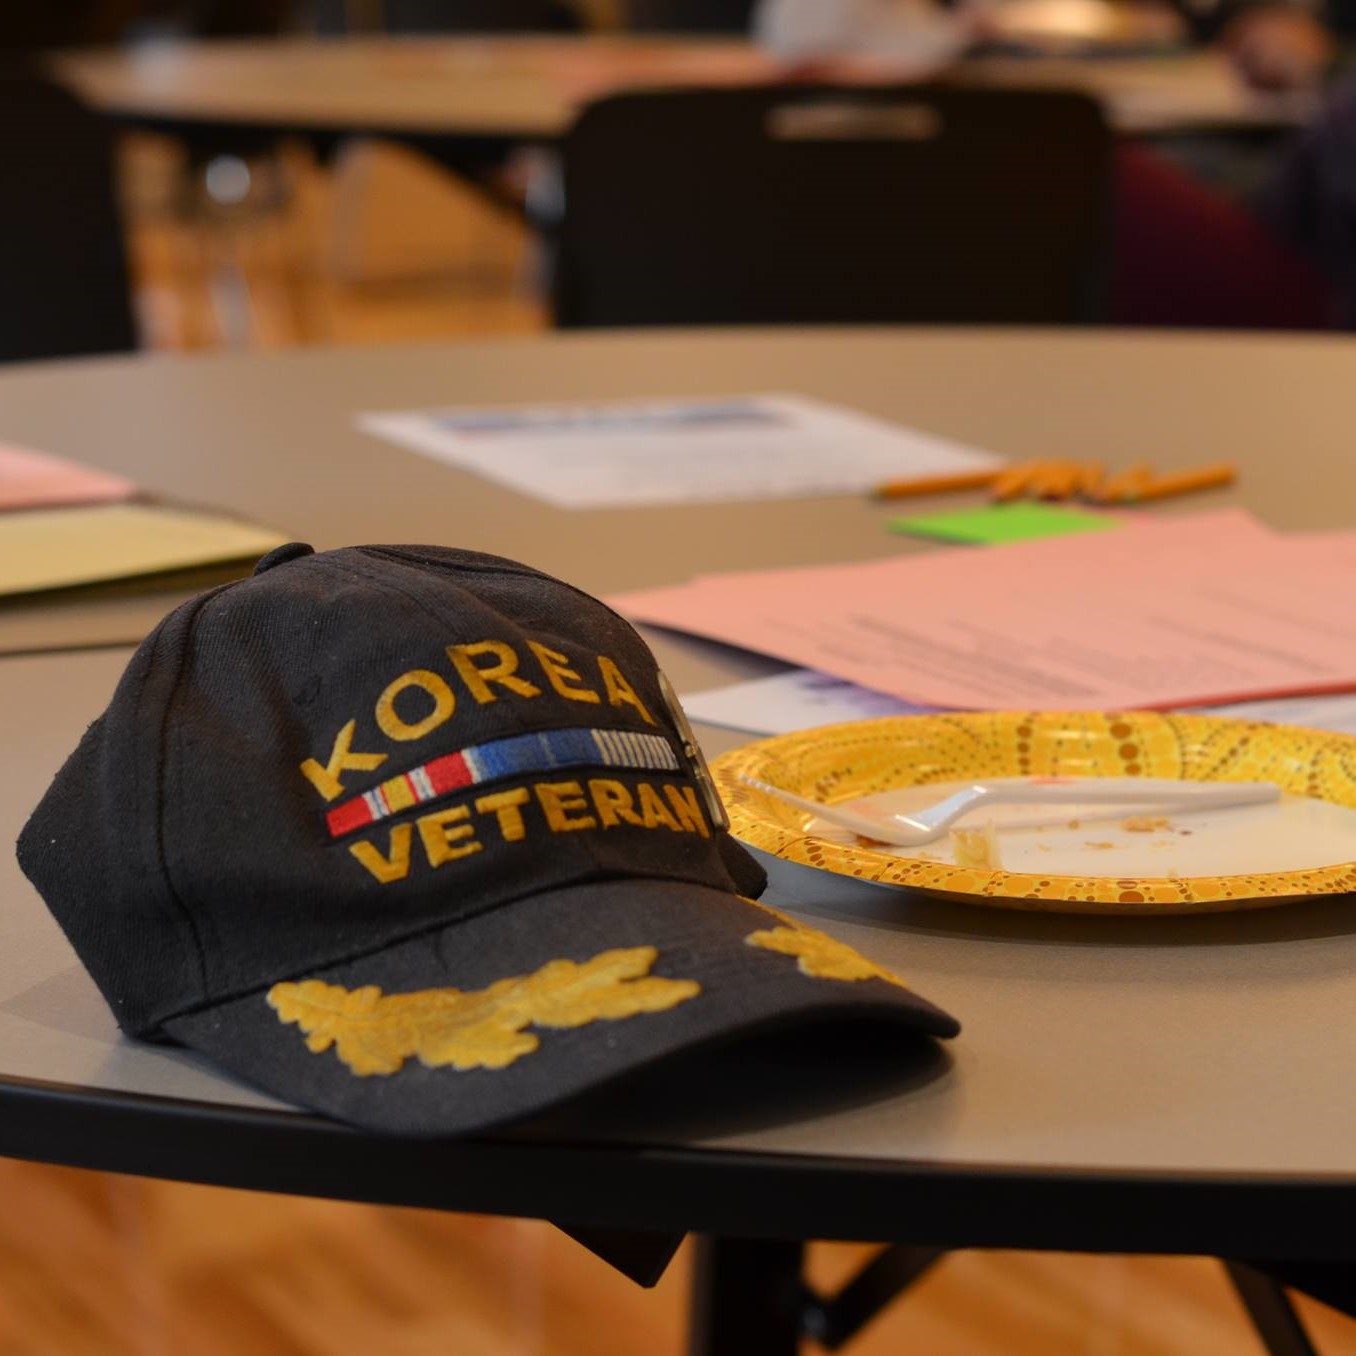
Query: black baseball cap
[(418, 838)]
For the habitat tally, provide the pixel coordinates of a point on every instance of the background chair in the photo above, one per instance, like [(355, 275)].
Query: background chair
[(444, 16), (63, 270), (689, 16), (833, 205), (479, 161)]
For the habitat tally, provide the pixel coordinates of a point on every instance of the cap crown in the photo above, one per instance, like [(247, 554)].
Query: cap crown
[(310, 764)]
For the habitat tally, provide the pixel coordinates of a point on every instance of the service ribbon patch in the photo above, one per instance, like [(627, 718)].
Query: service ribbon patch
[(375, 1033), (544, 751)]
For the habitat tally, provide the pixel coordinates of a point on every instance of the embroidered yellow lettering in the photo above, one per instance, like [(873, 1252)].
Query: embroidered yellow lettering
[(325, 776), (619, 691), (653, 811), (683, 799), (559, 801), (394, 726), (613, 803), (444, 828), (560, 675), (506, 806), (392, 868), (502, 671)]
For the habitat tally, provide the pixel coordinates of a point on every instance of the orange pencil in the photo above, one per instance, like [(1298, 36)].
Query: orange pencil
[(1091, 475), (1018, 480), (1125, 486), (1184, 482), (907, 489), (1058, 480)]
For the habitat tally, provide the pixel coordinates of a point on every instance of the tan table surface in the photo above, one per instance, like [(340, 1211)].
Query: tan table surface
[(1214, 1044), (531, 87)]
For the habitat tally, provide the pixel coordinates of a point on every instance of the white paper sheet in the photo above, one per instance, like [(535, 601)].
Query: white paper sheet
[(1336, 713), (796, 700), (801, 699), (628, 453)]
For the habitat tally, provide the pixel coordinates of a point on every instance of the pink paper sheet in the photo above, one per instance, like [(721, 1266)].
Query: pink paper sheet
[(33, 479), (1207, 608)]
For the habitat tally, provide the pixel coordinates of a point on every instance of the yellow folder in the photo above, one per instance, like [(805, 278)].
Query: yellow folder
[(49, 549)]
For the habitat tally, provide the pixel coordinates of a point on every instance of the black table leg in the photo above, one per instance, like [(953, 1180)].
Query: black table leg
[(746, 1298), (1272, 1314)]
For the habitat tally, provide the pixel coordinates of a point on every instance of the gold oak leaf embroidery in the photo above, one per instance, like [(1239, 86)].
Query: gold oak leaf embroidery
[(820, 955), (375, 1033)]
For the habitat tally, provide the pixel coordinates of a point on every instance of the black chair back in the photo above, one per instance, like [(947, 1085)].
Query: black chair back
[(235, 18), (63, 269), (689, 16), (834, 205), (448, 16)]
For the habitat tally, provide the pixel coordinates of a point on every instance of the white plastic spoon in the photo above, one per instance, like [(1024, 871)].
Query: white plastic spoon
[(923, 826)]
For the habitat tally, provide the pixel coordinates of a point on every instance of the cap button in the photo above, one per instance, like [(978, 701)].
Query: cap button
[(280, 555)]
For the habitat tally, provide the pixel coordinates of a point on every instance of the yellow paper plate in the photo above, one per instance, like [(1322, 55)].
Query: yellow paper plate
[(845, 762)]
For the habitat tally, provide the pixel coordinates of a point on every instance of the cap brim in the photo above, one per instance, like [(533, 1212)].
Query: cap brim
[(564, 1031)]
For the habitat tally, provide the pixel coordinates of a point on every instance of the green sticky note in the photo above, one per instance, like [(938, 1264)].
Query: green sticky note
[(994, 524)]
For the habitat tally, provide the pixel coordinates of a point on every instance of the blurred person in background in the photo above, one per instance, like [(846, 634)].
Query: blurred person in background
[(1275, 44), (1182, 253), (1311, 200)]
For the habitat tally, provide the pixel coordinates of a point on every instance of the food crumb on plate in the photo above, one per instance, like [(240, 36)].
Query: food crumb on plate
[(977, 848), (1145, 823)]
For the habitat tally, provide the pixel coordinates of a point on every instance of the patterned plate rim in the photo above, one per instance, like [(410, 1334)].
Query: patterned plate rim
[(1310, 762)]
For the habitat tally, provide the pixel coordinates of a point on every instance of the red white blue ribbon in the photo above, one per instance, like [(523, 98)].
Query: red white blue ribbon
[(544, 751)]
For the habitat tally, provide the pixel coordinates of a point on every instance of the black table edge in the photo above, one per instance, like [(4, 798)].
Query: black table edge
[(728, 1192)]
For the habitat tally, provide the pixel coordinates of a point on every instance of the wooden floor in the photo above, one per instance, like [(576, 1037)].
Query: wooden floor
[(96, 1265), (383, 249)]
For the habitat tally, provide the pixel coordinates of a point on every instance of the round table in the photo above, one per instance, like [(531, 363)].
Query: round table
[(513, 89), (1177, 1085)]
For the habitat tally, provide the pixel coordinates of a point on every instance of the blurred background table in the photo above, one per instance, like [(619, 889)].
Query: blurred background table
[(518, 89)]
